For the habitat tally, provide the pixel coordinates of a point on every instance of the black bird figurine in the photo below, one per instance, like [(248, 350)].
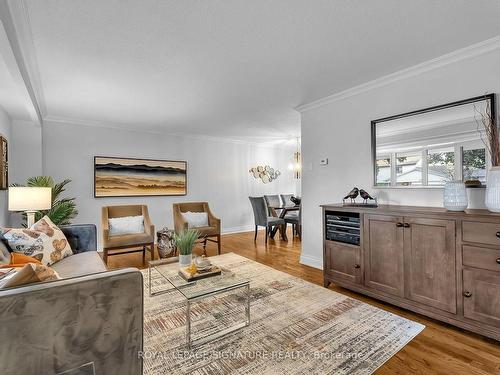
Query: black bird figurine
[(352, 194), (365, 196)]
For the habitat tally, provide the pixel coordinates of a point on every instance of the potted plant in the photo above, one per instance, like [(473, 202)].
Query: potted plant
[(185, 242)]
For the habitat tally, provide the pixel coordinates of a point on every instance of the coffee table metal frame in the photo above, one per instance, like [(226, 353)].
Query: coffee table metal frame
[(190, 299)]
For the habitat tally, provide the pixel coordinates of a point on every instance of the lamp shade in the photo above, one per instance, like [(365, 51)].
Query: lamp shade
[(30, 198)]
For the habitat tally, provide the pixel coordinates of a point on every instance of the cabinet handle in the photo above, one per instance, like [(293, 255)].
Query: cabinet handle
[(467, 294), (497, 234), (399, 225), (498, 260), (357, 266), (406, 225)]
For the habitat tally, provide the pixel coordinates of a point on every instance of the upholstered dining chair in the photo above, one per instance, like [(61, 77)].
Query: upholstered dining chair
[(273, 200), (286, 198), (295, 218), (262, 217), (210, 232), (145, 239)]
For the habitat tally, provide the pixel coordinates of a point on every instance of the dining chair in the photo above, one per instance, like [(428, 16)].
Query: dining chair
[(286, 198), (262, 217), (295, 218), (273, 200)]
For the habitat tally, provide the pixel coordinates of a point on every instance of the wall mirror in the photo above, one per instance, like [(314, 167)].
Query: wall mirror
[(428, 147)]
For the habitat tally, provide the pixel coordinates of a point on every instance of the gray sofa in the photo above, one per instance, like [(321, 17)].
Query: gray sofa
[(90, 316)]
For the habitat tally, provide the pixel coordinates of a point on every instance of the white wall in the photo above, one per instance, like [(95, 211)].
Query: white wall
[(5, 130), (26, 151), (217, 170), (340, 131)]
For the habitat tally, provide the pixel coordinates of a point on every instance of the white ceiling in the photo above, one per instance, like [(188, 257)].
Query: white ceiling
[(233, 68)]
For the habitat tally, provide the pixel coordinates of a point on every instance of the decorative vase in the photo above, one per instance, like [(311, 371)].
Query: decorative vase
[(185, 260), (492, 200), (166, 244), (455, 196)]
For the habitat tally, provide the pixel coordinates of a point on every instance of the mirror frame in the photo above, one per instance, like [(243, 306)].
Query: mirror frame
[(490, 97)]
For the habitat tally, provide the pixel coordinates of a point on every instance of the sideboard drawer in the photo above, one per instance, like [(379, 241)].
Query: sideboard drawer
[(475, 231), (478, 257)]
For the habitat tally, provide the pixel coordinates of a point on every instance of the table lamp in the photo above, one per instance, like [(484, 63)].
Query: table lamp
[(30, 200)]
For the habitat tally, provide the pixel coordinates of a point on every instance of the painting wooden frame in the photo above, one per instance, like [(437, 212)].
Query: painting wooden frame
[(132, 177), (4, 164)]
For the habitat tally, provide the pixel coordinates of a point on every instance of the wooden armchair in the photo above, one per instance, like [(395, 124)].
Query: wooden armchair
[(209, 233), (127, 241)]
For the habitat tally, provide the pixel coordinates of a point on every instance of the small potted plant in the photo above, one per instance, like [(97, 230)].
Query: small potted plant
[(185, 242)]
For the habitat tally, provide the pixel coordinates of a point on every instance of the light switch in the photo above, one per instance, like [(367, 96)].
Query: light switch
[(323, 161)]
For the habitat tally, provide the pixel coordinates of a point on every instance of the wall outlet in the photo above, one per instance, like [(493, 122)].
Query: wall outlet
[(323, 161)]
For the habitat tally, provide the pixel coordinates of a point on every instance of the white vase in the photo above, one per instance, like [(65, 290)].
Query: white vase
[(455, 196), (185, 260), (492, 199)]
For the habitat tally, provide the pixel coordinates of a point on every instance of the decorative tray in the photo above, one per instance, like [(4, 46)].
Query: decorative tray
[(212, 271)]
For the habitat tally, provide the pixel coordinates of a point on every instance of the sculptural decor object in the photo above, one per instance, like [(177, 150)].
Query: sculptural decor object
[(353, 194), (265, 173)]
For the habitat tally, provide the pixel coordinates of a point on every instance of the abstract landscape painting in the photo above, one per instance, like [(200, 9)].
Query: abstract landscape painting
[(123, 177)]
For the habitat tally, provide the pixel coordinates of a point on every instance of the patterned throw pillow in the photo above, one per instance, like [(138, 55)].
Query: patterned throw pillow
[(43, 241), (31, 273)]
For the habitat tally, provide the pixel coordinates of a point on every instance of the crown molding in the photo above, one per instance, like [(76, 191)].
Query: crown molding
[(21, 21), (436, 63), (123, 128)]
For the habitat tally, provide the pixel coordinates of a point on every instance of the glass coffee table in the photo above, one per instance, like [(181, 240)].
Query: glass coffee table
[(194, 291)]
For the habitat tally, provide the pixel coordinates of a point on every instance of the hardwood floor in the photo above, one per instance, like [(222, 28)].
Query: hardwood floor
[(439, 349)]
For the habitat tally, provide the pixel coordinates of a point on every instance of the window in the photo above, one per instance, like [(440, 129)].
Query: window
[(383, 170), (409, 168), (440, 166), (433, 166), (474, 164)]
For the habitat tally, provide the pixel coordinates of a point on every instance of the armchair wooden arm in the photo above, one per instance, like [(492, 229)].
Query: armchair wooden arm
[(149, 228), (212, 220), (179, 223), (105, 225)]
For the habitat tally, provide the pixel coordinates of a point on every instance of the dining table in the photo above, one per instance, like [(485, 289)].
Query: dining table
[(283, 210)]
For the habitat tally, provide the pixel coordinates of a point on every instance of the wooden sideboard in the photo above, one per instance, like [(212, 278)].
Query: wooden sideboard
[(442, 264)]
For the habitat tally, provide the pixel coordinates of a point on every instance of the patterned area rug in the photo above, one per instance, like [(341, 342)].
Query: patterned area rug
[(296, 328)]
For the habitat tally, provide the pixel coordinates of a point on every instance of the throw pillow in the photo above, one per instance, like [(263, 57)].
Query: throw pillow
[(126, 225), (4, 254), (19, 260), (31, 273), (195, 219), (43, 241)]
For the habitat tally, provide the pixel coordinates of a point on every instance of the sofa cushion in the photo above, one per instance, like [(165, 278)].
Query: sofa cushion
[(80, 264)]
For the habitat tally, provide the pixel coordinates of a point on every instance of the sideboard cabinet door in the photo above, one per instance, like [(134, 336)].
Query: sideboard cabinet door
[(482, 296), (430, 264), (383, 251), (343, 261)]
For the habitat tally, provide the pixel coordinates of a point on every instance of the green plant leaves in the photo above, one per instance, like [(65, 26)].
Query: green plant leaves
[(185, 240)]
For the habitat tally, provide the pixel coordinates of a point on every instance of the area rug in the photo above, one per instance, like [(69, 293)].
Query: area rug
[(296, 328)]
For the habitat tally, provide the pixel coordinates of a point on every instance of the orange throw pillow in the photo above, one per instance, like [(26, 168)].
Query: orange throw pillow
[(19, 260)]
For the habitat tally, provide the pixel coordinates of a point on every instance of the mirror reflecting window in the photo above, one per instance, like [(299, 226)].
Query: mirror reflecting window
[(432, 146)]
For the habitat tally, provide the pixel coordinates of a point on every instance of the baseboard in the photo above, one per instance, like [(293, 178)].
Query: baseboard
[(311, 261)]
